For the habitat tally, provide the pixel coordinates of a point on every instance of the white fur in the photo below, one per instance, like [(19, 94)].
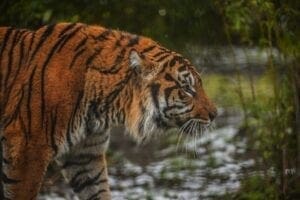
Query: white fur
[(135, 60), (149, 125)]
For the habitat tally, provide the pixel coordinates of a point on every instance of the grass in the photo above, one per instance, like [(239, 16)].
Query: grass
[(224, 89)]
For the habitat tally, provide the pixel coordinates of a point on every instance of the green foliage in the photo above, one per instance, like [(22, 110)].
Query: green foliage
[(256, 188), (223, 89), (270, 121), (172, 22)]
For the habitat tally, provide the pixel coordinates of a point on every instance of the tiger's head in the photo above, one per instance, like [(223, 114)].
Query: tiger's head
[(170, 94)]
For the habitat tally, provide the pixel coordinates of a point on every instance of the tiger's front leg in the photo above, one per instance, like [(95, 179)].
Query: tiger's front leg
[(24, 163), (85, 168)]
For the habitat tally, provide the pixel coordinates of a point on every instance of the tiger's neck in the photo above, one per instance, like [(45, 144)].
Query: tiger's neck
[(110, 107), (126, 104)]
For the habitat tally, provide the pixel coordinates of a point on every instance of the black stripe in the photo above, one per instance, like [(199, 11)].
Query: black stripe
[(158, 54), (116, 66), (71, 119), (3, 139), (169, 77), (180, 60), (168, 92), (77, 163), (68, 27), (103, 35), (74, 180), (21, 34), (53, 130), (5, 40), (80, 160), (133, 41), (95, 196), (21, 49), (182, 95), (165, 50), (172, 62), (92, 57), (107, 118), (118, 41), (118, 88), (148, 49), (182, 68), (160, 122), (165, 65), (24, 129), (155, 93), (29, 95), (5, 179), (90, 181), (78, 53), (8, 86), (162, 58), (173, 107), (47, 33), (80, 44), (177, 113), (30, 45), (8, 120), (101, 181), (10, 56), (99, 143), (141, 122), (68, 37), (5, 161)]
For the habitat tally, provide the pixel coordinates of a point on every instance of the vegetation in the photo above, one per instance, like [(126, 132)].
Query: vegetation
[(270, 101), (166, 21), (272, 122)]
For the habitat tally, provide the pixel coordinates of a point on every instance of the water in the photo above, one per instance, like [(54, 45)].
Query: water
[(206, 168), (213, 172)]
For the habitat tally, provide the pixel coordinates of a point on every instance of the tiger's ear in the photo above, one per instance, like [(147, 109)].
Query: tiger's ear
[(135, 61), (144, 68)]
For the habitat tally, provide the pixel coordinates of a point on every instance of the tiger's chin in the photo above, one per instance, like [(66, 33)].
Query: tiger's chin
[(194, 127), (144, 132)]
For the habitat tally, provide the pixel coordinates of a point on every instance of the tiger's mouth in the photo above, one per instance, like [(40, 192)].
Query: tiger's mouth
[(204, 121)]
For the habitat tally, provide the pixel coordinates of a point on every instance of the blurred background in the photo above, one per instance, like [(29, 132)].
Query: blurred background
[(248, 52)]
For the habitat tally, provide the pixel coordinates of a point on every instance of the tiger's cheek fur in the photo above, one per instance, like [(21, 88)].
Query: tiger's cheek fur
[(140, 121)]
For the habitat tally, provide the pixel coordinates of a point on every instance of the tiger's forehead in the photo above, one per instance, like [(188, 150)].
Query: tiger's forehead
[(167, 60), (186, 77), (184, 70)]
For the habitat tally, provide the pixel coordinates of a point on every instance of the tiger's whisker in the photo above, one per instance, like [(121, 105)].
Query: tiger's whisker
[(181, 132), (195, 137), (189, 136)]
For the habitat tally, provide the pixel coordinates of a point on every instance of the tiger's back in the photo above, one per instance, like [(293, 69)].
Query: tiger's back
[(64, 86)]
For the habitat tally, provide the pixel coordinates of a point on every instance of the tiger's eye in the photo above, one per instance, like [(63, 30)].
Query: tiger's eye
[(182, 95), (188, 90)]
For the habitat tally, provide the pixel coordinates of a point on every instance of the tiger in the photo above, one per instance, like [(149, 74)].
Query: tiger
[(64, 87)]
